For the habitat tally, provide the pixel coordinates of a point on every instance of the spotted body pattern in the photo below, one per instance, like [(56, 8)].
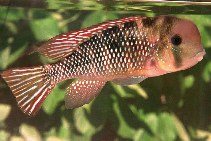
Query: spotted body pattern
[(125, 51), (115, 51)]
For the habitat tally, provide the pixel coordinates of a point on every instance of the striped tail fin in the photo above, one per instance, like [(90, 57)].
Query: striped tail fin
[(30, 87)]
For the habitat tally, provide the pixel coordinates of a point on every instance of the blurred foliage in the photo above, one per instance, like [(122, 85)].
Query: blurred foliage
[(173, 107)]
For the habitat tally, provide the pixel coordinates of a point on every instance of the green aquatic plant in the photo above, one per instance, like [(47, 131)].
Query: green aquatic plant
[(170, 107)]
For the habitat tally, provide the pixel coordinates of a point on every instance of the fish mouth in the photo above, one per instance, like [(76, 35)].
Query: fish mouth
[(199, 55)]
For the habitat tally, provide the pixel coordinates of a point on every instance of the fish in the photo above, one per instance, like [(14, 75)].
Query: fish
[(125, 51)]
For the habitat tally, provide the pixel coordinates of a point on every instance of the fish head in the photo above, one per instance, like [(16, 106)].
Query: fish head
[(179, 47)]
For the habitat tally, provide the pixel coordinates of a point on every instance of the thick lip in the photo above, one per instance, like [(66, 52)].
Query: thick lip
[(199, 55)]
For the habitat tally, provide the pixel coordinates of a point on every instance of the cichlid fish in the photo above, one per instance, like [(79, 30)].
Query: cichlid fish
[(125, 51)]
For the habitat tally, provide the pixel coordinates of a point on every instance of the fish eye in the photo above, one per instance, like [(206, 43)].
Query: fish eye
[(176, 40)]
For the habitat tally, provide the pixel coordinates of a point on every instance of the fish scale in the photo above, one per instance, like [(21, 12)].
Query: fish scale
[(125, 51), (105, 55)]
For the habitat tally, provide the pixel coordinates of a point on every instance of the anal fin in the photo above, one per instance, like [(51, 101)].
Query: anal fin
[(82, 92), (129, 80)]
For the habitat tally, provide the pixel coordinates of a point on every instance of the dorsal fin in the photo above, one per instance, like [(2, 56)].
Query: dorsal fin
[(58, 47), (64, 44)]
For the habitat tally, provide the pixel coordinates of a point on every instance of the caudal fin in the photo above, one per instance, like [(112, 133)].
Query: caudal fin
[(30, 87)]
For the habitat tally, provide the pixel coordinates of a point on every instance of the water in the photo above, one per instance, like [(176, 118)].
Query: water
[(171, 107), (154, 6)]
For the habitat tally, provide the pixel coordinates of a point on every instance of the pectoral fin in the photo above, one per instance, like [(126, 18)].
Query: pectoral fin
[(129, 80), (82, 92)]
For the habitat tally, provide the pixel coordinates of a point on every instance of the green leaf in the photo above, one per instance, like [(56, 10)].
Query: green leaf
[(119, 90), (54, 4), (203, 135), (4, 135), (182, 133), (188, 81), (207, 72), (64, 131), (89, 5), (141, 134), (4, 57), (81, 122), (29, 133), (53, 138), (4, 110), (10, 14), (100, 107), (44, 28), (151, 119), (16, 138), (98, 17), (16, 54), (85, 130), (53, 99), (161, 125), (140, 91), (124, 130), (166, 129)]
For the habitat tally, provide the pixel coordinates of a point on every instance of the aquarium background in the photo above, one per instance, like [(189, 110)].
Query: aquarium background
[(172, 107)]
